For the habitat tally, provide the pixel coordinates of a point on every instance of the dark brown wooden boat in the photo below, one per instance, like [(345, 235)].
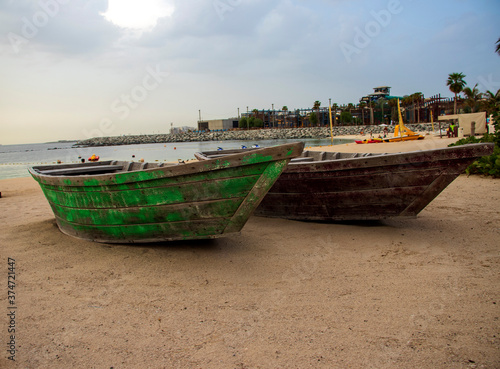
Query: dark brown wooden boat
[(343, 186)]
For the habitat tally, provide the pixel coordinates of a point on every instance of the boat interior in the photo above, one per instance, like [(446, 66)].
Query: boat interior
[(306, 156), (102, 167)]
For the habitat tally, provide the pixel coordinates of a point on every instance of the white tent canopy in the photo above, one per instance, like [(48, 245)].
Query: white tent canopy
[(465, 120)]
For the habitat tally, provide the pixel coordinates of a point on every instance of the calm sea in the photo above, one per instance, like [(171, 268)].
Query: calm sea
[(15, 159)]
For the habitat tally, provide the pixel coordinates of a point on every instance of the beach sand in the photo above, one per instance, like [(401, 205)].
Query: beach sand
[(414, 293), (428, 143)]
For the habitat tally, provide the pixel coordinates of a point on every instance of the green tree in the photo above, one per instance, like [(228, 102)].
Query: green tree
[(335, 108), (316, 107), (257, 123), (382, 102), (313, 119), (472, 98), (393, 103), (415, 103), (285, 111), (362, 106), (492, 101), (371, 104), (243, 123), (456, 84), (346, 117)]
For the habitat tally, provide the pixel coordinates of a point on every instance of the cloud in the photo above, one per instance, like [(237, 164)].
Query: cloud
[(57, 26)]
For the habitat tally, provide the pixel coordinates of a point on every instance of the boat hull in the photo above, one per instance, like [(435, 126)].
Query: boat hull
[(196, 200), (328, 186), (369, 141), (405, 138), (367, 188)]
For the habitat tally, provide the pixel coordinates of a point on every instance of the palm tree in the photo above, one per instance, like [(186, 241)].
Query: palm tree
[(335, 107), (456, 84), (370, 105), (349, 107), (404, 103), (316, 106), (382, 101), (415, 98), (498, 47), (472, 98), (285, 109), (393, 103), (492, 102), (362, 106)]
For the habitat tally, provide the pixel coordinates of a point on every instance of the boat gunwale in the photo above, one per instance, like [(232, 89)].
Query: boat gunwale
[(388, 159), (281, 152)]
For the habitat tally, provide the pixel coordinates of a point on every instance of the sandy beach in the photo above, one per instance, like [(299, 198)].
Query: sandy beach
[(428, 143), (413, 293)]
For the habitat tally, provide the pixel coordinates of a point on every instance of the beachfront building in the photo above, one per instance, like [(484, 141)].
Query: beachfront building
[(382, 92), (179, 130), (218, 124)]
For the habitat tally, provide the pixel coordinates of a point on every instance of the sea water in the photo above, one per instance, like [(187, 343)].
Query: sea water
[(15, 159)]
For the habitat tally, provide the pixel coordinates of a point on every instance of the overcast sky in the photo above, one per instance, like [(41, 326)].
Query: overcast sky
[(82, 68)]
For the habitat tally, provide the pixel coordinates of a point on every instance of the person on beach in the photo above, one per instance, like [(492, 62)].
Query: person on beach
[(451, 130)]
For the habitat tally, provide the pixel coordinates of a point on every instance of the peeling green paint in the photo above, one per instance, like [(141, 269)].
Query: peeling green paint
[(203, 200), (255, 158)]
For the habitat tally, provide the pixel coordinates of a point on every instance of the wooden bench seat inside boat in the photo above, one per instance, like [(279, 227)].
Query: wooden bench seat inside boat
[(83, 170)]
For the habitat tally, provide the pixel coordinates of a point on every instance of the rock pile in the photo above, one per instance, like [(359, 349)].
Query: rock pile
[(244, 135)]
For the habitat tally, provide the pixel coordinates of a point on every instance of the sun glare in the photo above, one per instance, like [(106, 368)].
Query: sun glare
[(137, 14)]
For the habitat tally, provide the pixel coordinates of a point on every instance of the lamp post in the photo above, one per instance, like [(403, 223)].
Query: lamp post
[(247, 119), (273, 114)]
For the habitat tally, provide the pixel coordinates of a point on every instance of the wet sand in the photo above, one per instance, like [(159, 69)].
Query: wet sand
[(414, 293)]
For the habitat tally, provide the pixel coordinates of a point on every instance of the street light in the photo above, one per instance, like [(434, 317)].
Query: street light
[(273, 114)]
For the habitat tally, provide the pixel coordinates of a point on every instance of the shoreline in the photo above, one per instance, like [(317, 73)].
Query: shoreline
[(339, 132), (430, 142)]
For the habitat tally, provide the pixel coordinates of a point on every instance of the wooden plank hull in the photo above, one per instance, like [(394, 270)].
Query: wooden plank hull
[(149, 203), (336, 187)]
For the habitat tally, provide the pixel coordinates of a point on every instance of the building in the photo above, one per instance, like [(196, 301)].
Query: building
[(218, 124), (382, 92), (183, 129)]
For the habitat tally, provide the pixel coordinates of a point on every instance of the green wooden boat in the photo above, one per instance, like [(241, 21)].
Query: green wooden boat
[(125, 202)]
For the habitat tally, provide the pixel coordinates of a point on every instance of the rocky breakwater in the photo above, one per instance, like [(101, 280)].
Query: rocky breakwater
[(245, 135)]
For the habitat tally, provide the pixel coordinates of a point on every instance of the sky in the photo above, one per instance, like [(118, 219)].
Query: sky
[(75, 69)]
